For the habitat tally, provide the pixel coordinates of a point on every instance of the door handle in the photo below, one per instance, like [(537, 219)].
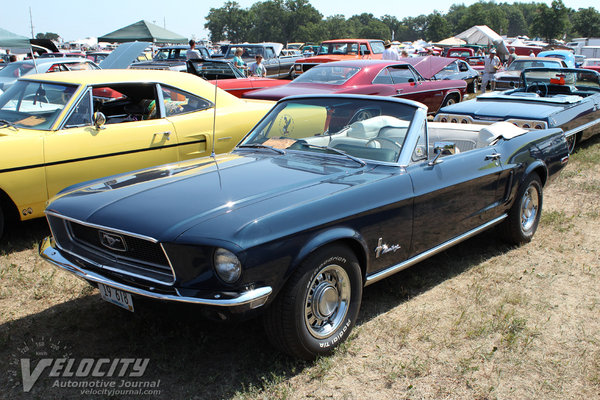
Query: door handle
[(494, 156), (165, 133), (398, 91)]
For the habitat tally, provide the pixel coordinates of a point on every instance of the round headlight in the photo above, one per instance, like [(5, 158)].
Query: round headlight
[(454, 120), (464, 121), (444, 119), (526, 126), (539, 126), (227, 265)]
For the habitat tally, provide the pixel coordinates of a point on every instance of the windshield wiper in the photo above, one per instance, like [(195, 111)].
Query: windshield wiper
[(4, 123), (261, 146), (338, 151)]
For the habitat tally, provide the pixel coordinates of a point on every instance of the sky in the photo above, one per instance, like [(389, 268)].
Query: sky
[(77, 20)]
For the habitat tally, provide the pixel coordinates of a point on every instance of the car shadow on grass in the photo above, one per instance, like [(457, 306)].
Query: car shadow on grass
[(21, 236), (191, 356)]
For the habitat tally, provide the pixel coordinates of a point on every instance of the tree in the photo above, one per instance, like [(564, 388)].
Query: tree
[(586, 22), (368, 27), (395, 26), (551, 22), (337, 28), (516, 21), (48, 35), (299, 14), (438, 27), (229, 22)]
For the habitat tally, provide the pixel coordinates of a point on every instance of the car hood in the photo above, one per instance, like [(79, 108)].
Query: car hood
[(280, 92), (240, 197), (504, 107)]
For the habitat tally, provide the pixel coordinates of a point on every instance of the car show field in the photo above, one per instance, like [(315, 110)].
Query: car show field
[(482, 320), (271, 201)]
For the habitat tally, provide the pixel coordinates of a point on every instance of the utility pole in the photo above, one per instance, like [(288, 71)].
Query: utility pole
[(164, 23), (31, 22)]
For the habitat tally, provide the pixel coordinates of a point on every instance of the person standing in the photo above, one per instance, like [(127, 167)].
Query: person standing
[(390, 52), (512, 56), (491, 65), (192, 53), (237, 59), (258, 68)]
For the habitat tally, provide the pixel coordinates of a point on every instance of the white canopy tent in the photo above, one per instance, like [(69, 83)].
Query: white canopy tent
[(484, 36)]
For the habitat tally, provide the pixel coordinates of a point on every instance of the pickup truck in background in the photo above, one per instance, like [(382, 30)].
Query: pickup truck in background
[(341, 50), (278, 65)]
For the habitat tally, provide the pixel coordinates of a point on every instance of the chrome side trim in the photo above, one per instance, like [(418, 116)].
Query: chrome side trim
[(431, 252), (582, 128), (104, 228), (50, 254)]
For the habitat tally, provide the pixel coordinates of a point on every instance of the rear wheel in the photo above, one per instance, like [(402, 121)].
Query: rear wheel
[(524, 215), (452, 99), (571, 141), (318, 306)]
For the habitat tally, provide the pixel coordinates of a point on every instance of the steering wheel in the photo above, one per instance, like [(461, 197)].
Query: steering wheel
[(384, 139), (362, 115), (536, 88)]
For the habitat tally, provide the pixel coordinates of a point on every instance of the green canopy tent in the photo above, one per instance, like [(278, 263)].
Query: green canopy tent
[(143, 31), (12, 40)]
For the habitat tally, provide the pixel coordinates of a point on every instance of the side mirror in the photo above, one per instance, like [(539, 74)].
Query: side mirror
[(442, 149), (99, 120)]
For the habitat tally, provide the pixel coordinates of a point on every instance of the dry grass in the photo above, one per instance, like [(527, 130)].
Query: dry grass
[(480, 321)]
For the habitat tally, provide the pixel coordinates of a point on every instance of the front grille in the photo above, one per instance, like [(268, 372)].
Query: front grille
[(136, 249), (126, 255)]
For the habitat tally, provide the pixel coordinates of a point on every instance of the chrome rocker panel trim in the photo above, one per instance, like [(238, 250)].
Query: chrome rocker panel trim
[(256, 297), (429, 253)]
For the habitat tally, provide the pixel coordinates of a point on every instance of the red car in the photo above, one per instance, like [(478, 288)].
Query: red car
[(591, 63), (229, 78), (371, 77)]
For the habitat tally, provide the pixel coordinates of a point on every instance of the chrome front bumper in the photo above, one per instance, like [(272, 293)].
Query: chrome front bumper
[(253, 298)]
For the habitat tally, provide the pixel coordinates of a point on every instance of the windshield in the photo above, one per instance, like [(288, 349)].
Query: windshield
[(247, 51), (34, 105), (16, 70), (520, 65), (170, 54), (339, 48), (330, 75), (566, 78), (215, 70), (359, 128)]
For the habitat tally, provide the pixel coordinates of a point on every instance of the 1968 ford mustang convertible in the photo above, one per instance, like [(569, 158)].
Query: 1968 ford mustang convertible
[(327, 194), (547, 98)]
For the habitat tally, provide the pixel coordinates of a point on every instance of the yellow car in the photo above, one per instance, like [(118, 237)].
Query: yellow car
[(63, 128)]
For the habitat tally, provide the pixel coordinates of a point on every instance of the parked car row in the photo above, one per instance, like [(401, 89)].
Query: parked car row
[(162, 185)]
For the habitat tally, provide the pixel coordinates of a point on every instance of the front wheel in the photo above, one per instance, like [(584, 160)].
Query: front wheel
[(1, 222), (524, 215), (318, 306)]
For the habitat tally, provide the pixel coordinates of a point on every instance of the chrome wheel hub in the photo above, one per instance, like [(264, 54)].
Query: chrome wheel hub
[(327, 301), (529, 208)]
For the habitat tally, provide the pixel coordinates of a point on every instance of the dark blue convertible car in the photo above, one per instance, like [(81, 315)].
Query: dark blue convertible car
[(327, 194), (548, 98)]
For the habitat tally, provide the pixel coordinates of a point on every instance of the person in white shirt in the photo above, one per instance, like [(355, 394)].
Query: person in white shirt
[(390, 52), (491, 65), (192, 53)]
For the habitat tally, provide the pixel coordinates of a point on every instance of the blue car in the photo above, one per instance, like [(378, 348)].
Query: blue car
[(545, 98), (567, 56), (327, 194)]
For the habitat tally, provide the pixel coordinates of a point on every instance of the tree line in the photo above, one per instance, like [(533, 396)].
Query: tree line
[(298, 21)]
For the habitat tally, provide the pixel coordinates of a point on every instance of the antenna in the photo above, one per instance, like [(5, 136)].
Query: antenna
[(212, 154)]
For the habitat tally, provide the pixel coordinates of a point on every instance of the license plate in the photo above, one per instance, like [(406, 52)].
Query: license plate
[(116, 296)]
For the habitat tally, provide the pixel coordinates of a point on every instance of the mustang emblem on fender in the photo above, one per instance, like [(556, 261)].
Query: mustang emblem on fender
[(112, 241), (384, 248)]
